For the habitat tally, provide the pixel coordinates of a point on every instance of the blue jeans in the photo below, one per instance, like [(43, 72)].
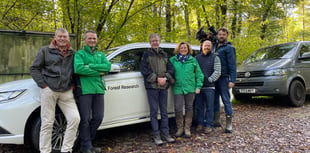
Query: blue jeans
[(91, 108), (222, 89), (158, 97), (204, 107)]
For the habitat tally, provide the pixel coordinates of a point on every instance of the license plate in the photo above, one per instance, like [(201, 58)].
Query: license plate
[(247, 90)]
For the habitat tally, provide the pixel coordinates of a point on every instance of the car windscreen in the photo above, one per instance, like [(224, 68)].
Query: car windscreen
[(273, 52)]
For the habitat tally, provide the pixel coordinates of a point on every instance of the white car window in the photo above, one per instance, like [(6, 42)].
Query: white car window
[(130, 60)]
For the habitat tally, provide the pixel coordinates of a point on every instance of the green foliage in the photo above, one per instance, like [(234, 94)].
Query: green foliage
[(252, 23)]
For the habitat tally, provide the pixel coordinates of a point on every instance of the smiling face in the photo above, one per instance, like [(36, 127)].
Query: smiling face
[(62, 39), (183, 49), (155, 41), (207, 47), (91, 39)]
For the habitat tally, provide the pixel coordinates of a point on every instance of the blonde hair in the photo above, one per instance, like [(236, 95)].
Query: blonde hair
[(177, 49)]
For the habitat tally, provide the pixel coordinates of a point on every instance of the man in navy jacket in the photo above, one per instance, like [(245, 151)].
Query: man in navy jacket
[(227, 54)]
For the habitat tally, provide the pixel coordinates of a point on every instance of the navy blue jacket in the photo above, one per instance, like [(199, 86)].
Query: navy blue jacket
[(227, 54)]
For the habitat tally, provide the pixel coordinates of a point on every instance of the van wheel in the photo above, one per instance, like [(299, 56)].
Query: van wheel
[(297, 93), (243, 98), (58, 132)]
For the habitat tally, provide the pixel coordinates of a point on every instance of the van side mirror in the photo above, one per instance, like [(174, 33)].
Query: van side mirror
[(305, 56), (115, 68)]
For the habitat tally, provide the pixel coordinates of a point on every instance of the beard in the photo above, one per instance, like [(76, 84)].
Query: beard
[(222, 40)]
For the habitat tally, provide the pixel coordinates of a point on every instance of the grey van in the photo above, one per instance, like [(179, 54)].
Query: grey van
[(280, 70)]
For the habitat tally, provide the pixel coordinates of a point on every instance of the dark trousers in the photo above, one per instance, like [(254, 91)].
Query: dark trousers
[(158, 97), (204, 107), (181, 100), (91, 108), (222, 89)]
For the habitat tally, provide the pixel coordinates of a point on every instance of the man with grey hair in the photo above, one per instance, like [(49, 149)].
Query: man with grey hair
[(157, 72), (52, 70)]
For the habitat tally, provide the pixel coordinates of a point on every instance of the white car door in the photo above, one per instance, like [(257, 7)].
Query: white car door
[(125, 97)]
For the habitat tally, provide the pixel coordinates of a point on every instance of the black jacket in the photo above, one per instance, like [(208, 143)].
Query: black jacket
[(153, 65), (50, 68)]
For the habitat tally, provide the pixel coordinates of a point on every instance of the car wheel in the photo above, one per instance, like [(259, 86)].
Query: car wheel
[(243, 98), (297, 93), (58, 132)]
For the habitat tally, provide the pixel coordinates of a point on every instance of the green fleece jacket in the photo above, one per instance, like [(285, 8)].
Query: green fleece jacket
[(89, 66), (188, 75)]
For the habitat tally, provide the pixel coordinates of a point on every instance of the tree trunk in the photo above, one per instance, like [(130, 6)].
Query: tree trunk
[(234, 20), (224, 13), (264, 26), (221, 12), (239, 25), (198, 20), (155, 17), (187, 23), (168, 21)]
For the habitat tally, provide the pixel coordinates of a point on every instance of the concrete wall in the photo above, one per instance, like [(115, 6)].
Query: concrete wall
[(17, 51)]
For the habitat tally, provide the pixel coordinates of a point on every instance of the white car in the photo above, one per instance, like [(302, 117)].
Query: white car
[(125, 99)]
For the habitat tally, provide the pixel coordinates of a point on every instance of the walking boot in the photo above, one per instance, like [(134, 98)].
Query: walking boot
[(228, 124), (158, 140), (188, 124), (216, 121), (168, 138), (180, 125)]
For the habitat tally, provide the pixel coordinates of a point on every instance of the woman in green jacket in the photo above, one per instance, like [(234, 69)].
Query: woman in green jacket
[(189, 80)]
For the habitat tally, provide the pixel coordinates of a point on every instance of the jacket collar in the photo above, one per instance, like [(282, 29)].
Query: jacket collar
[(88, 49), (53, 45), (160, 51)]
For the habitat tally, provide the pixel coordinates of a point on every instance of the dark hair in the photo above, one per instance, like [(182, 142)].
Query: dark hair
[(224, 30), (89, 31)]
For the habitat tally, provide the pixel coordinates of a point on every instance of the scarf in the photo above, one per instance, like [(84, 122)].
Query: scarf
[(182, 58)]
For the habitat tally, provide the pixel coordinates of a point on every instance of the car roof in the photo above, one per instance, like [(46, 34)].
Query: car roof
[(296, 42), (123, 48)]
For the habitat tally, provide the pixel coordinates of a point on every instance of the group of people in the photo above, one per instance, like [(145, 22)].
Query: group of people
[(202, 79), (64, 75), (58, 70)]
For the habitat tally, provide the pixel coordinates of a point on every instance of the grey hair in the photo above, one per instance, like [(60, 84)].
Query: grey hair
[(62, 30), (153, 36), (89, 31)]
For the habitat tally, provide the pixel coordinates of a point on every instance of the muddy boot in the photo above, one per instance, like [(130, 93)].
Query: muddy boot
[(216, 121), (180, 125), (188, 124), (228, 124), (157, 140)]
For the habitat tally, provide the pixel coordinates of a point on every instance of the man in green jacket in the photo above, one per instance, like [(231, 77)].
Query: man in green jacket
[(90, 65)]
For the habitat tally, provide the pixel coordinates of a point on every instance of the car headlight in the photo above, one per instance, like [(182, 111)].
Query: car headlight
[(276, 72), (8, 95)]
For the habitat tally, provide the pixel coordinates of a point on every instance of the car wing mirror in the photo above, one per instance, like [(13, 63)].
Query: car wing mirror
[(115, 68)]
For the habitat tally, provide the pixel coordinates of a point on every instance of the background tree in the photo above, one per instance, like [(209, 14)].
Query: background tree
[(252, 23)]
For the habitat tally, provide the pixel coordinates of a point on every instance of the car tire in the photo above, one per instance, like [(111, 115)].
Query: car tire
[(58, 132), (243, 98), (297, 93)]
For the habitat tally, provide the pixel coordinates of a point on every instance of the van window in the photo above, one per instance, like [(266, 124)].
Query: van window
[(305, 48), (273, 52)]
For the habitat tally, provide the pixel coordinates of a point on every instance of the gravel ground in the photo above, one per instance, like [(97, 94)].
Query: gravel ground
[(262, 125)]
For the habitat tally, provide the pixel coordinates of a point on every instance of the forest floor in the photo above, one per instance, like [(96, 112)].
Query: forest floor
[(259, 126)]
